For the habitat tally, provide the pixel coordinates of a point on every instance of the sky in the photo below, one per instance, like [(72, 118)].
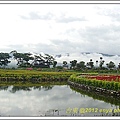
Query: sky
[(60, 28)]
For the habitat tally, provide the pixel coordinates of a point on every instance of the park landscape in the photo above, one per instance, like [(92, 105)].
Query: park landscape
[(60, 60), (100, 83)]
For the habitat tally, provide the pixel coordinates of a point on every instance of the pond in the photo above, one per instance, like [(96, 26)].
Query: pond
[(52, 100)]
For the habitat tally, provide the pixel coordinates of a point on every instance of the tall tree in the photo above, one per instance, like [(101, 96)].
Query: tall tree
[(49, 59), (38, 61), (4, 59), (64, 63), (73, 63), (43, 61), (96, 63), (54, 63), (119, 66), (26, 58), (22, 59), (18, 57), (111, 65), (101, 62), (90, 64), (81, 65)]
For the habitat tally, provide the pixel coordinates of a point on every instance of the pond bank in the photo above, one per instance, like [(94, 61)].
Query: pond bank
[(94, 89), (97, 96)]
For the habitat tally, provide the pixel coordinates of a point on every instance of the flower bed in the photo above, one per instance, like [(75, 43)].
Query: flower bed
[(108, 82), (115, 78)]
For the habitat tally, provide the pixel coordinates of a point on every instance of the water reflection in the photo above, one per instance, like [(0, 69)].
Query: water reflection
[(4, 87), (98, 96), (25, 88), (47, 100)]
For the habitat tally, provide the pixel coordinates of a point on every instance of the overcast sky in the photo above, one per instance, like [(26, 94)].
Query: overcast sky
[(60, 28)]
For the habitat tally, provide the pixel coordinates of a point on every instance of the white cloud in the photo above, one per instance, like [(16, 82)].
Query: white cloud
[(92, 28)]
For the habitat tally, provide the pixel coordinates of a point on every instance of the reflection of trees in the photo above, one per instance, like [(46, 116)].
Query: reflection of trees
[(46, 88), (4, 87), (37, 87), (29, 86), (26, 88), (98, 96), (17, 88)]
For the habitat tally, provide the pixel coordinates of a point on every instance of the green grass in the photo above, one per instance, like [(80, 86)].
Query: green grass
[(34, 76)]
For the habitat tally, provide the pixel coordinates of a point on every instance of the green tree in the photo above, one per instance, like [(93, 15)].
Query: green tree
[(111, 65), (119, 66), (96, 63), (73, 63), (4, 59), (90, 64), (49, 59), (18, 57), (22, 58), (54, 63), (13, 51), (38, 61), (43, 61), (64, 63), (81, 65), (101, 63), (26, 58)]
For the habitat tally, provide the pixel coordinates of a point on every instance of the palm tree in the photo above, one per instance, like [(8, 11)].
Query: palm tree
[(101, 58), (90, 64), (54, 63), (64, 63), (119, 66), (101, 62), (97, 63)]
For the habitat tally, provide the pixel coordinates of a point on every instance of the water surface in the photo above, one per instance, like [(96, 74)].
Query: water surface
[(57, 100)]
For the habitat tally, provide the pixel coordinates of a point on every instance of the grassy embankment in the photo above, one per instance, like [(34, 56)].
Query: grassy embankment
[(94, 82), (29, 77)]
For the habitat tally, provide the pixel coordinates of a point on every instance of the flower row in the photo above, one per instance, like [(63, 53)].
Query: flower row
[(115, 78)]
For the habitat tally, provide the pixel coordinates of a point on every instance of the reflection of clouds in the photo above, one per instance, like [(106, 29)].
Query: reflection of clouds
[(35, 102)]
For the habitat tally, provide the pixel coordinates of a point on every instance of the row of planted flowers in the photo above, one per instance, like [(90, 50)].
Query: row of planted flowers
[(115, 78), (109, 82)]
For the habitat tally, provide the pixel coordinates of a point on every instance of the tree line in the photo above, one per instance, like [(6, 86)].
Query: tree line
[(26, 59), (40, 61), (100, 64)]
